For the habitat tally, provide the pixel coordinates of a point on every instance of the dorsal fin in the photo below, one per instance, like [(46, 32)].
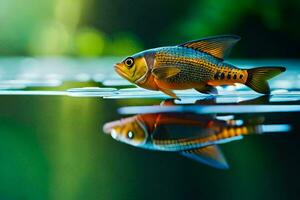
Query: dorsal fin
[(210, 155), (217, 46)]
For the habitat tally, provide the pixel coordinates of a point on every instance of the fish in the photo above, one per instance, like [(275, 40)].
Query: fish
[(197, 64), (191, 135)]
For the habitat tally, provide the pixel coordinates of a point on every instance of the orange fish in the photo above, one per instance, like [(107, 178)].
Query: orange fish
[(191, 135), (196, 64)]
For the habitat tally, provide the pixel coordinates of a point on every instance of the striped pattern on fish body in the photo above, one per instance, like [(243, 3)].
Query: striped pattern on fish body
[(222, 135)]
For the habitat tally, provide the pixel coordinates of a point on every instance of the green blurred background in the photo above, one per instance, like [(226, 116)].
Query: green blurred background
[(52, 147), (89, 28)]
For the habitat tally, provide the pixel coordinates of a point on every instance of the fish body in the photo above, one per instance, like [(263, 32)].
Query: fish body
[(196, 64), (191, 135), (196, 68), (180, 132)]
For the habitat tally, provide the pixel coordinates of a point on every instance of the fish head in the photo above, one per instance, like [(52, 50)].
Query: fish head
[(129, 130), (132, 68)]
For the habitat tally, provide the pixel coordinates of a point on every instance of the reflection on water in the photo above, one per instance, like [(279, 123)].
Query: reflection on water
[(190, 134), (260, 104)]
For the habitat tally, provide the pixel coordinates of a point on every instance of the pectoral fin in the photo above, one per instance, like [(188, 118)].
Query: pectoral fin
[(207, 89), (165, 72), (210, 155)]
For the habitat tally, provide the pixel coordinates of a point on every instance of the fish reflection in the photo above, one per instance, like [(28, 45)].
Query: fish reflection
[(192, 135)]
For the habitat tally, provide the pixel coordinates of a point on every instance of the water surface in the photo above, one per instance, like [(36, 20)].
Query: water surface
[(52, 144)]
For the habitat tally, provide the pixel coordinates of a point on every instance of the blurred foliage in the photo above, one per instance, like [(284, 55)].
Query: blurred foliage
[(119, 27), (89, 42)]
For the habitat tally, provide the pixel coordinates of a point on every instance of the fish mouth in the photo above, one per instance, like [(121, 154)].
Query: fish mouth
[(118, 69), (109, 126)]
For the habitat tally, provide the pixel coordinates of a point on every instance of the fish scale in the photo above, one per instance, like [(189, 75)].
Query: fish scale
[(195, 66), (223, 133)]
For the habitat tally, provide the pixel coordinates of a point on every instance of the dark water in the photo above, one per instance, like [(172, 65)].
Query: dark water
[(53, 147)]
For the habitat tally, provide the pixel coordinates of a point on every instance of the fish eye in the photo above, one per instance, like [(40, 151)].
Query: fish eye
[(129, 61), (130, 135)]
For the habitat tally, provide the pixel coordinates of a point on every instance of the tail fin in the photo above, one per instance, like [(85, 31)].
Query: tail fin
[(268, 128), (257, 78)]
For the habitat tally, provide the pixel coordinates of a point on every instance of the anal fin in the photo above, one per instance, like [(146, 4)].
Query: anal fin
[(209, 155), (169, 92), (207, 89)]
